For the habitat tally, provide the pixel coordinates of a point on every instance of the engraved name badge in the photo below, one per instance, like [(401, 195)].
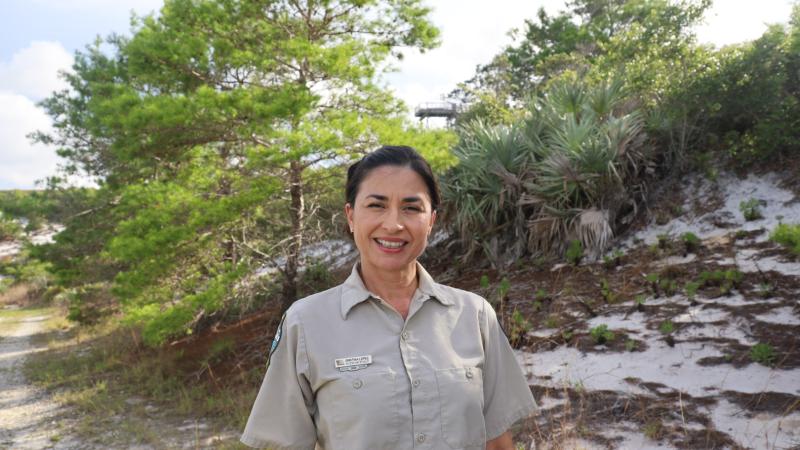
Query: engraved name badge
[(352, 363)]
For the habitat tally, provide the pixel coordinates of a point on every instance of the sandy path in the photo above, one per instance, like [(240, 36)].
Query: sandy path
[(28, 416)]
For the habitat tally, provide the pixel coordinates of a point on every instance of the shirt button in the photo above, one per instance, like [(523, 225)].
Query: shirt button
[(357, 384), (416, 383), (469, 373), (404, 335), (420, 438)]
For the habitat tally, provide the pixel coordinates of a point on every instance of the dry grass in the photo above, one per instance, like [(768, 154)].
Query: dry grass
[(133, 394)]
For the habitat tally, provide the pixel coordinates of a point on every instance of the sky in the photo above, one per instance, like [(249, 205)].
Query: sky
[(39, 37)]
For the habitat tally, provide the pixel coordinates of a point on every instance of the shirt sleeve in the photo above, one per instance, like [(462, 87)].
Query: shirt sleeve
[(282, 415), (507, 396)]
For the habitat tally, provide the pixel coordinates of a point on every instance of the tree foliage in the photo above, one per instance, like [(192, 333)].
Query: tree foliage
[(210, 129)]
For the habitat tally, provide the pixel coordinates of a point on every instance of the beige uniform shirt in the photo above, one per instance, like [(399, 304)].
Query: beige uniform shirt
[(347, 372)]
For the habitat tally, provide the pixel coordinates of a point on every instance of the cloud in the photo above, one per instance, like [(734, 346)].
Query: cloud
[(726, 23), (33, 71), (142, 6), (22, 163)]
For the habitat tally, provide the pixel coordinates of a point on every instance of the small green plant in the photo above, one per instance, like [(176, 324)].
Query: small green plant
[(601, 334), (639, 301), (765, 290), (668, 286), (788, 236), (541, 295), (663, 240), (652, 280), (691, 289), (653, 430), (552, 321), (690, 242), (484, 281), (763, 354), (751, 209), (605, 291), (630, 345), (503, 288), (519, 326), (613, 259), (666, 327), (575, 252), (567, 335), (725, 280)]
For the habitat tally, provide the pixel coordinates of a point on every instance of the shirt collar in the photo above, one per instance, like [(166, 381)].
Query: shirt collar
[(354, 291)]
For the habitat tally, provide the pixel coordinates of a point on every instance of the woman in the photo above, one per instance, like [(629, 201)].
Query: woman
[(390, 359)]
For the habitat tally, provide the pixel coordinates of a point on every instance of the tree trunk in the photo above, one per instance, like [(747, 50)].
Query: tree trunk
[(297, 213)]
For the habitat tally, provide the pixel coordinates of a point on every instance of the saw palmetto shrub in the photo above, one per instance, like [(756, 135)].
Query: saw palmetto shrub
[(570, 170)]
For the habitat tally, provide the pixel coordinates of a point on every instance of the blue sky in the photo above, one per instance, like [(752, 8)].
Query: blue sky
[(39, 37)]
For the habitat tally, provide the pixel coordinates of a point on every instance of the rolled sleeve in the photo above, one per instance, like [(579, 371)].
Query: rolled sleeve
[(507, 396), (282, 415)]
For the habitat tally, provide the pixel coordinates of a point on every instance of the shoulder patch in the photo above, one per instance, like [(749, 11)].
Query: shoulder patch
[(277, 339)]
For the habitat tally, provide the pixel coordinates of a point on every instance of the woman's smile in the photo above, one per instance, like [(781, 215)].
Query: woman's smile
[(391, 246)]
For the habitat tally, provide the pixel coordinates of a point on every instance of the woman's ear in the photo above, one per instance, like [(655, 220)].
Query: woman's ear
[(348, 212), (433, 220)]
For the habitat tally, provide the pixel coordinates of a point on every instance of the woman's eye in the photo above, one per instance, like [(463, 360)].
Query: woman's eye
[(374, 205), (413, 208)]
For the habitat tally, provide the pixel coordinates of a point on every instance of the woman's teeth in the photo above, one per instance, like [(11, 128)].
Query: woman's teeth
[(389, 244)]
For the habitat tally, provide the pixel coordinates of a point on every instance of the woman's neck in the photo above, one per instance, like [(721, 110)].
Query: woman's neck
[(396, 287)]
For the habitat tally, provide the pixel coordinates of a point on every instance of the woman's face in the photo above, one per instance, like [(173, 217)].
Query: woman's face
[(391, 218)]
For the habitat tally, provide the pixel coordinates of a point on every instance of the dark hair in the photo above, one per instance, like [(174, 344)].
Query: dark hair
[(390, 155)]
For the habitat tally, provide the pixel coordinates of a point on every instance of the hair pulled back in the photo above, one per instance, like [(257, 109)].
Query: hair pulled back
[(391, 155)]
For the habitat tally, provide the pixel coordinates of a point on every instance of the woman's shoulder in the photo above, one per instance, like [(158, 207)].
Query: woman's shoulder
[(320, 303), (462, 296)]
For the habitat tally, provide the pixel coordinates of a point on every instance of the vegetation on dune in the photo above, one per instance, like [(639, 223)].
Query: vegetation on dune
[(562, 173), (787, 235)]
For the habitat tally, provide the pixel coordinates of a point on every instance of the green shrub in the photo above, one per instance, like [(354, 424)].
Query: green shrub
[(691, 289), (726, 280), (666, 327), (763, 354), (613, 260), (690, 241), (601, 334), (751, 209), (606, 293), (10, 229), (559, 171), (575, 252), (788, 236), (519, 326)]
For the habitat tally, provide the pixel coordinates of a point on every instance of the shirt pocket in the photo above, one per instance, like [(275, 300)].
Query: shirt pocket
[(461, 402), (365, 411)]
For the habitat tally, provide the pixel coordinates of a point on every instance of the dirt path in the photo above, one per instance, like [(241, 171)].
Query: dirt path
[(28, 416)]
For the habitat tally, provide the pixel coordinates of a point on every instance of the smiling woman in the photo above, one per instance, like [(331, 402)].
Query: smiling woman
[(390, 359)]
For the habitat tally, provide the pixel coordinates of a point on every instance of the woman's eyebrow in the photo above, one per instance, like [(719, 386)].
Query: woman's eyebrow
[(412, 199)]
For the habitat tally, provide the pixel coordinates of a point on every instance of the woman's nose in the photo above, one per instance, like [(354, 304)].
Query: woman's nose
[(393, 220)]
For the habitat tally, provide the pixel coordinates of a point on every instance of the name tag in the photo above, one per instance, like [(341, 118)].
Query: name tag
[(351, 363)]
